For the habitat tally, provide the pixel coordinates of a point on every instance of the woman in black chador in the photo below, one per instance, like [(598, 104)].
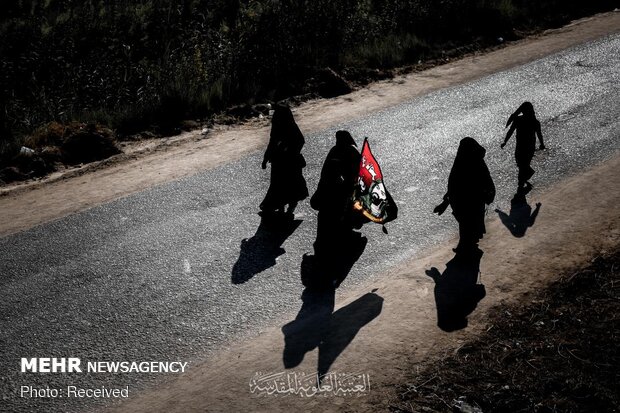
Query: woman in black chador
[(288, 185), (470, 189), (528, 127), (334, 193)]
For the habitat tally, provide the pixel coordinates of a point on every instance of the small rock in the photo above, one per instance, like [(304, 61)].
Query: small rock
[(26, 151)]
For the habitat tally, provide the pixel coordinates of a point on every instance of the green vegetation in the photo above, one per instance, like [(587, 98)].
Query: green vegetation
[(147, 64)]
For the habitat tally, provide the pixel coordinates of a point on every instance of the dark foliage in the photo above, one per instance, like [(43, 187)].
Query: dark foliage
[(557, 354), (146, 64)]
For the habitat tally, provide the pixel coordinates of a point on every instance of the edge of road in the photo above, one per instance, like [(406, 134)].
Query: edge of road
[(154, 164)]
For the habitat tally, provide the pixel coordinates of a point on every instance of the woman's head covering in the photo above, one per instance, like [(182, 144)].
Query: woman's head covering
[(469, 184), (526, 109), (283, 126), (467, 168), (470, 150), (282, 115), (343, 137)]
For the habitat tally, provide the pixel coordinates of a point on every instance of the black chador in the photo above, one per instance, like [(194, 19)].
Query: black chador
[(470, 189), (333, 197), (288, 185)]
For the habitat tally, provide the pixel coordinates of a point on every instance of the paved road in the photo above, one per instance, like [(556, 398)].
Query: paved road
[(150, 276)]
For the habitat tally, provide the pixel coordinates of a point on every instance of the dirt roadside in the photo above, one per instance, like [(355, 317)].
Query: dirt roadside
[(554, 352), (149, 163), (404, 334)]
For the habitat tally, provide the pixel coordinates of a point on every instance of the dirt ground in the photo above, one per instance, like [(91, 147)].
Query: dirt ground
[(155, 162), (555, 351), (401, 335)]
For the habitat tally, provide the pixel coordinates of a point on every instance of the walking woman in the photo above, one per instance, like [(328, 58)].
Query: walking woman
[(334, 192), (528, 127), (288, 185), (470, 189)]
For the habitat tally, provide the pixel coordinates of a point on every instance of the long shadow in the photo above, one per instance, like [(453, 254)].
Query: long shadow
[(260, 252), (457, 292), (521, 216), (306, 332), (329, 270), (316, 327), (344, 326)]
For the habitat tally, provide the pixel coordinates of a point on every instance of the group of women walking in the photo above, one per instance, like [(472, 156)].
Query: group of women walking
[(332, 199), (470, 186)]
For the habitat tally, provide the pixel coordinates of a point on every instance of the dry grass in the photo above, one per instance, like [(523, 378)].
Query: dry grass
[(558, 353)]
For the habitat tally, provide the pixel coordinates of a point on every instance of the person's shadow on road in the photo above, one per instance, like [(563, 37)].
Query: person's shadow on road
[(521, 216), (328, 271), (457, 292), (260, 252), (317, 327)]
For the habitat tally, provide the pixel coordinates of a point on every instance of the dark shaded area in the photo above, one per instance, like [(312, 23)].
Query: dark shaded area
[(328, 269), (524, 122), (470, 190), (287, 185), (316, 327), (260, 252), (54, 146), (556, 351), (337, 247), (521, 216), (88, 145), (147, 64), (344, 326), (306, 332), (457, 291), (332, 198)]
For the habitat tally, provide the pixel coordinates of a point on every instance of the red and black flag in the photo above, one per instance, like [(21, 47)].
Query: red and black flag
[(371, 197)]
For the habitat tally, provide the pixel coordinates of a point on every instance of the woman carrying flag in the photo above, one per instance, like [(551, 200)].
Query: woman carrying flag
[(333, 195)]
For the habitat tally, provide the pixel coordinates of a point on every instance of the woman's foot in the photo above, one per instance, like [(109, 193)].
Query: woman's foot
[(291, 208)]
